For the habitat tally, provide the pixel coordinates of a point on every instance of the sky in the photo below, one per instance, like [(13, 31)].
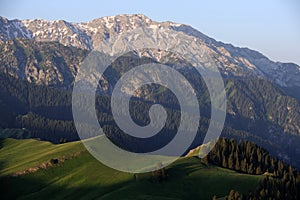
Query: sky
[(271, 27)]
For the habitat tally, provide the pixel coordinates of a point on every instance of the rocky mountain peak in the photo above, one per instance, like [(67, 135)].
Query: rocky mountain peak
[(232, 61)]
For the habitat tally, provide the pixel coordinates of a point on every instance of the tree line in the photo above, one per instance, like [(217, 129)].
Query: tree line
[(280, 181)]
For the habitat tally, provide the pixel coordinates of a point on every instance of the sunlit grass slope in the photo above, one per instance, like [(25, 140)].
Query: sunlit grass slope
[(83, 177)]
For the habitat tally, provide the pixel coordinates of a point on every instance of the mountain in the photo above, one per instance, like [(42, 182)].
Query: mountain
[(257, 110), (39, 60), (231, 60)]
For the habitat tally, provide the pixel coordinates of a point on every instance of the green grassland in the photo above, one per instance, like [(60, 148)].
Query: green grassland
[(83, 177)]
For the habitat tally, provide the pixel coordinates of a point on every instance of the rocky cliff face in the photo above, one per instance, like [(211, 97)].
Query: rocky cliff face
[(46, 63)]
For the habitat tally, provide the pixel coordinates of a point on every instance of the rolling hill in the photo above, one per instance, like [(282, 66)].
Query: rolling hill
[(81, 176)]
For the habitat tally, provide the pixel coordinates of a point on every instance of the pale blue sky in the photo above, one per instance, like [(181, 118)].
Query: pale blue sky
[(269, 26)]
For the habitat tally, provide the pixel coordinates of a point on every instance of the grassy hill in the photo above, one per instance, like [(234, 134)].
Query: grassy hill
[(31, 169)]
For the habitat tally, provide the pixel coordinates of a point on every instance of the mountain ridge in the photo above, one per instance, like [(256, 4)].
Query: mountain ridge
[(232, 60)]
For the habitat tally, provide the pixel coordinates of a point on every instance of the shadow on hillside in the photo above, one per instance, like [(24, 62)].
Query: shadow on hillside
[(1, 146), (31, 188), (1, 142), (1, 166), (183, 169)]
